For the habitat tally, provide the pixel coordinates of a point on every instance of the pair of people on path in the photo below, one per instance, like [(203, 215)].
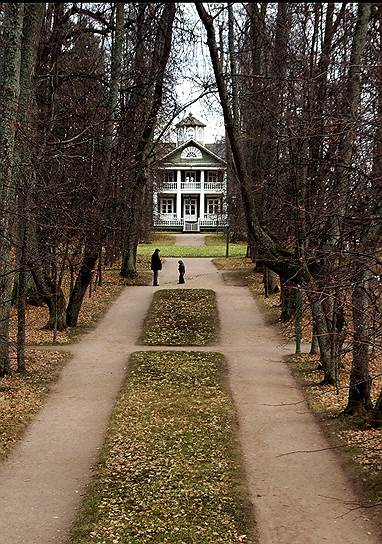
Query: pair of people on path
[(156, 265)]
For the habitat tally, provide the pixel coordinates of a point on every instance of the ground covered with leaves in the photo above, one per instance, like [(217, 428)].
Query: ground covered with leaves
[(94, 305), (170, 468), (181, 317), (355, 440)]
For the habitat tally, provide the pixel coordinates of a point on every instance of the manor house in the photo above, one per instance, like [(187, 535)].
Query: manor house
[(190, 194)]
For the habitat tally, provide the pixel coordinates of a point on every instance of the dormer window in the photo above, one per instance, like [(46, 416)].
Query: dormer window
[(191, 152), (190, 133)]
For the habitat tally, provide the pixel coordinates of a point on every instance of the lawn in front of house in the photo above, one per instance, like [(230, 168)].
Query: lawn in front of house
[(235, 250), (181, 317), (170, 469)]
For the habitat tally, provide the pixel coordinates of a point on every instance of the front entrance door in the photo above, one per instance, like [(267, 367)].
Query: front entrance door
[(190, 209)]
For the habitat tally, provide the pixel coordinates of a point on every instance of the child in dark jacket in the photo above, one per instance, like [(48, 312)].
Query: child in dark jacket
[(182, 271)]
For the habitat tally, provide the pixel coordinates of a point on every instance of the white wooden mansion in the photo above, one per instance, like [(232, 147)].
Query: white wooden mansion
[(190, 193)]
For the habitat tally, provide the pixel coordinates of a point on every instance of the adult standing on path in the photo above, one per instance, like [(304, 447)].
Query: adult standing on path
[(156, 265), (182, 271)]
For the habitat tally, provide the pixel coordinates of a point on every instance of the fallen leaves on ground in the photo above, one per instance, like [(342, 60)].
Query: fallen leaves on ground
[(181, 317), (170, 468), (92, 308)]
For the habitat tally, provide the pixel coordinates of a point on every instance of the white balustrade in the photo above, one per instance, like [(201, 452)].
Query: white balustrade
[(167, 220), (213, 186), (190, 186), (169, 185)]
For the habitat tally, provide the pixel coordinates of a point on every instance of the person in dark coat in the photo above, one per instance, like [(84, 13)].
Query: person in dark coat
[(182, 271), (156, 265)]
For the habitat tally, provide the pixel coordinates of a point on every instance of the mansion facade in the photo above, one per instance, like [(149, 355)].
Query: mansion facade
[(190, 194)]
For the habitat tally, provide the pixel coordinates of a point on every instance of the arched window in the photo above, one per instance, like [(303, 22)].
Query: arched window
[(191, 153)]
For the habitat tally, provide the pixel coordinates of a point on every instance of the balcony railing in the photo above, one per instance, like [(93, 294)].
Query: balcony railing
[(209, 186), (213, 186), (209, 220), (212, 220), (168, 185), (167, 220), (190, 186)]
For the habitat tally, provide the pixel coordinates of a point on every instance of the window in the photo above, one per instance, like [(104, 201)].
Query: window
[(213, 206), (190, 133), (212, 177), (190, 177), (167, 205), (191, 152), (169, 177)]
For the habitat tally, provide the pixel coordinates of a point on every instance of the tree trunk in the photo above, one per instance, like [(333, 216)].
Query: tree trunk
[(10, 89), (160, 58), (129, 259), (81, 284), (94, 243), (21, 297), (288, 301), (314, 347), (270, 282), (376, 420), (51, 294), (33, 18), (324, 342), (57, 312), (359, 401)]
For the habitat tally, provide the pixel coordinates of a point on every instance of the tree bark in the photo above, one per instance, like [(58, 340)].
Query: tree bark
[(33, 18), (359, 401), (10, 82), (81, 284)]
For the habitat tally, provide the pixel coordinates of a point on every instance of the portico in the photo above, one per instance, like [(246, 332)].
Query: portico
[(190, 194)]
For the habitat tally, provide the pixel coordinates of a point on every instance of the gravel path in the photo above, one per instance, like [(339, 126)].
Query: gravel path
[(300, 495), (189, 240)]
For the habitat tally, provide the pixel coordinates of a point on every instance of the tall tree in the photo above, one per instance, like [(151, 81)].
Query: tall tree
[(10, 85)]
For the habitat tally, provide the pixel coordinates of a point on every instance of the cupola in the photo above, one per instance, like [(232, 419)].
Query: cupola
[(190, 128)]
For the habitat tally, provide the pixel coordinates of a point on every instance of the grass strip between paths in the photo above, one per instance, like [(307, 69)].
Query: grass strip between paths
[(235, 250), (181, 317), (170, 469)]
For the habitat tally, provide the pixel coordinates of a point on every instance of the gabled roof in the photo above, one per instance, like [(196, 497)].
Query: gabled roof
[(190, 121), (195, 144)]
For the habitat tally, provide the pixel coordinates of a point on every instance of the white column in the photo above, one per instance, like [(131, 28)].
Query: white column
[(155, 207), (201, 213), (178, 195)]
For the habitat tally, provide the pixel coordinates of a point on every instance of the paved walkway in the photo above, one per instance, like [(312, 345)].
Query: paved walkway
[(299, 498)]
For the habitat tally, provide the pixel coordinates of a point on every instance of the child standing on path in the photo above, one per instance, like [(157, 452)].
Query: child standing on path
[(182, 271)]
